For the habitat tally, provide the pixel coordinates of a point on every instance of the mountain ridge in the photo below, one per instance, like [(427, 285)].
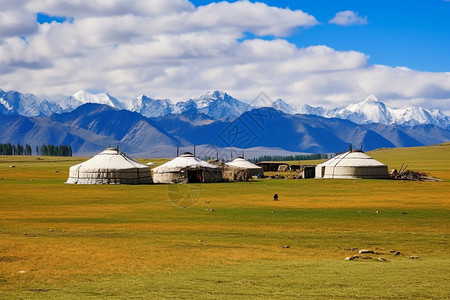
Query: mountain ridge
[(220, 105), (371, 110), (92, 127)]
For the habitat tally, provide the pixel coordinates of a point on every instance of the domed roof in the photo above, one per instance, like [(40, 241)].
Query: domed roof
[(352, 158), (352, 164), (109, 159), (242, 163), (185, 160), (110, 166)]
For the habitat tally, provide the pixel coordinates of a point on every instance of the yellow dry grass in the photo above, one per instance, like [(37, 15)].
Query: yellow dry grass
[(66, 234)]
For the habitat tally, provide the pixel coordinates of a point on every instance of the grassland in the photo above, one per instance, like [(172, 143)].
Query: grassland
[(225, 240)]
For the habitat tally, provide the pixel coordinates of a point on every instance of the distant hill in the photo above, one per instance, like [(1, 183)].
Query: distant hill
[(267, 127), (15, 103), (218, 105), (372, 110), (434, 159), (91, 128), (215, 104)]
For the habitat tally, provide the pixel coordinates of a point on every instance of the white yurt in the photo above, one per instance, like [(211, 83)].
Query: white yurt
[(187, 168), (110, 167), (252, 169), (352, 164)]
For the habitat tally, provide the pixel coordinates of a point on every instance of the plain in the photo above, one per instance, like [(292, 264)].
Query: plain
[(225, 240)]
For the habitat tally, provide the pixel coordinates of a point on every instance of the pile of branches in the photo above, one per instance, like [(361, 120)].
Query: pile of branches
[(405, 174), (230, 173)]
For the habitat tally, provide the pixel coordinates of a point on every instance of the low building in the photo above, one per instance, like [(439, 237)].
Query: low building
[(271, 166), (230, 173), (252, 169), (352, 164), (110, 167), (307, 171), (187, 168)]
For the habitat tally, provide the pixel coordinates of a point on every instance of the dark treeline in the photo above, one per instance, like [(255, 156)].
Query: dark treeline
[(288, 157), (52, 150), (46, 150), (9, 149)]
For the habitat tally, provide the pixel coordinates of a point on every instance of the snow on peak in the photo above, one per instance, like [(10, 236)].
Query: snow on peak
[(372, 110), (305, 109), (285, 107), (215, 94), (413, 116), (217, 104), (312, 110), (371, 99), (6, 104), (83, 96), (206, 99), (102, 98), (150, 107), (13, 102), (141, 97), (370, 102), (369, 110)]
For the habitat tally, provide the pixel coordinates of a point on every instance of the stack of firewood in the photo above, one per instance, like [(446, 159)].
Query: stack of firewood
[(405, 174)]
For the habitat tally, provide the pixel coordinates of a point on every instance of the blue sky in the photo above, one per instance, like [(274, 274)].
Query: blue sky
[(415, 34), (317, 52)]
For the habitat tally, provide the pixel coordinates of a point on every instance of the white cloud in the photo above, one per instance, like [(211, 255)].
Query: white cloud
[(183, 51), (347, 18), (96, 8), (258, 18), (14, 22)]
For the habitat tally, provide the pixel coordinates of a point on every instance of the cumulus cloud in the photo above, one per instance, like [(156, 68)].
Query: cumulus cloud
[(347, 18), (258, 18), (95, 8), (172, 49), (15, 22)]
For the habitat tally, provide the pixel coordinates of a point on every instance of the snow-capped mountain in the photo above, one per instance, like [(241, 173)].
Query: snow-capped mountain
[(92, 127), (29, 105), (83, 97), (218, 105), (215, 104), (287, 108), (312, 110), (371, 110), (15, 103), (293, 109), (412, 116), (149, 107)]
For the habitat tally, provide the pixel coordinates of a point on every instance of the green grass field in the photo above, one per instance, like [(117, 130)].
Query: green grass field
[(225, 240)]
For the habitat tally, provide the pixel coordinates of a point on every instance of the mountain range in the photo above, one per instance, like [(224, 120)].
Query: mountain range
[(217, 105), (371, 110), (214, 121), (91, 128)]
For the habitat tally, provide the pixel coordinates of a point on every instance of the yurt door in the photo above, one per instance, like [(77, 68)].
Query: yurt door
[(195, 176)]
